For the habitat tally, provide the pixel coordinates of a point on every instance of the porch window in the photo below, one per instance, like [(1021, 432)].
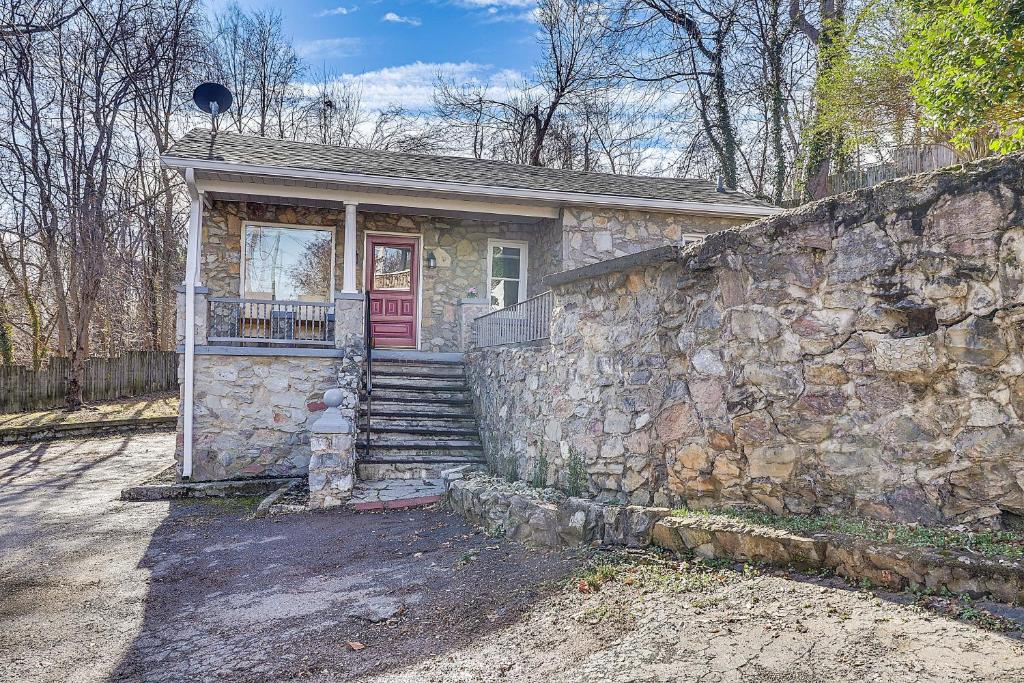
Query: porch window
[(287, 263), (506, 272)]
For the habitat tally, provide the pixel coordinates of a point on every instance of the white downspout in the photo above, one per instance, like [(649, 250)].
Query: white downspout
[(195, 224)]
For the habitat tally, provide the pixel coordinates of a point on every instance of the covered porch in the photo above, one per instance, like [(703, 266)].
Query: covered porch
[(273, 262)]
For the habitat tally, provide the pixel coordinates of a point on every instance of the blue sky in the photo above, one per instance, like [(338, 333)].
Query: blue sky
[(396, 47)]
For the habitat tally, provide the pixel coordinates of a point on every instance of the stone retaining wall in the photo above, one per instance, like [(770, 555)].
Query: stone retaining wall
[(861, 353), (592, 235), (550, 519)]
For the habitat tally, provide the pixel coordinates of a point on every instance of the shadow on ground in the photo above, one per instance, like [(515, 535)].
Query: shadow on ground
[(243, 599)]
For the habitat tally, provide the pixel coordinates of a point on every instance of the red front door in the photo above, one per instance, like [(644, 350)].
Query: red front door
[(392, 279)]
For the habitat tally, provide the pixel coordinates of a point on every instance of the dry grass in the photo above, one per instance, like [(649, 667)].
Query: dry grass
[(152, 405)]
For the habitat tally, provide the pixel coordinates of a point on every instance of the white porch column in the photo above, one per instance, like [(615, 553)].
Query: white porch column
[(192, 270), (349, 279)]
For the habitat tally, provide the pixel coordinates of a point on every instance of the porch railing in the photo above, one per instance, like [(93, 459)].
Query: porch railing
[(527, 321), (285, 323)]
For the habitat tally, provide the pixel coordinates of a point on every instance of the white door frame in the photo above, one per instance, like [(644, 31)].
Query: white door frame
[(419, 277)]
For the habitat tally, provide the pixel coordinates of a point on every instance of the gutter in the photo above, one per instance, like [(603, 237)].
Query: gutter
[(476, 191), (195, 223)]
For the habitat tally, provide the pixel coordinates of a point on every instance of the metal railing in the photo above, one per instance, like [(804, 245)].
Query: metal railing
[(527, 321), (286, 323), (368, 371)]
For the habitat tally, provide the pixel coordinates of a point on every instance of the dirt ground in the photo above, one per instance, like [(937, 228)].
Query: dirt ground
[(92, 589)]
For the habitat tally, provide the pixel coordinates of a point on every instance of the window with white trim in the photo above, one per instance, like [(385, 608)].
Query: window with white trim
[(283, 263), (506, 272)]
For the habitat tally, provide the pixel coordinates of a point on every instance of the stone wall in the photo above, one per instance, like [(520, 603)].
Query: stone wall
[(592, 235), (252, 414), (861, 353), (459, 245)]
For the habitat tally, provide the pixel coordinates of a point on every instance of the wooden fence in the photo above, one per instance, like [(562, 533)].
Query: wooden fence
[(133, 374)]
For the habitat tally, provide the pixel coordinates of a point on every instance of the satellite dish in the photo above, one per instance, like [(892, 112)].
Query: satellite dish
[(213, 98)]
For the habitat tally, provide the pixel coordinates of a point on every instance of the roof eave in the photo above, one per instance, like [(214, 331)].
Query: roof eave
[(477, 191)]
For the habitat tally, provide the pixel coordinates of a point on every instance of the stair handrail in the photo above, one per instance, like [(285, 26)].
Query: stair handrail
[(368, 376)]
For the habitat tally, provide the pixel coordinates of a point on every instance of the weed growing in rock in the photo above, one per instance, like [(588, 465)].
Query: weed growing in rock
[(540, 472), (576, 473)]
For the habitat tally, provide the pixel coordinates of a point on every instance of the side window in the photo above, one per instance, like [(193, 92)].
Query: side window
[(506, 272)]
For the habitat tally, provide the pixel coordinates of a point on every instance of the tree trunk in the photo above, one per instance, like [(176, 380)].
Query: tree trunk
[(723, 118)]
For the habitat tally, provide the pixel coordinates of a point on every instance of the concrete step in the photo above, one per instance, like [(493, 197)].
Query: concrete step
[(381, 370), (422, 384), (399, 432), (432, 452), (403, 409), (450, 396), (418, 443), (380, 420), (417, 357)]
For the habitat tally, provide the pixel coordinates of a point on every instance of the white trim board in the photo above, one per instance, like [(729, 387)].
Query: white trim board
[(474, 190)]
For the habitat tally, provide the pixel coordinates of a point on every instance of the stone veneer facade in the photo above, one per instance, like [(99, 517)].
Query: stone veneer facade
[(254, 407), (592, 235), (459, 245), (861, 353)]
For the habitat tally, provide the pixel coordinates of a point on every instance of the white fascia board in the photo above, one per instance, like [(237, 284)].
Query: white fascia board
[(478, 191), (468, 205)]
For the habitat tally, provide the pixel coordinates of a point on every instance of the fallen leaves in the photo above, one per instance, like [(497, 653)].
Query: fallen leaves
[(355, 645)]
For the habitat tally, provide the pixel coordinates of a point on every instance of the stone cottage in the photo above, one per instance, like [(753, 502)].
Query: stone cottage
[(300, 256)]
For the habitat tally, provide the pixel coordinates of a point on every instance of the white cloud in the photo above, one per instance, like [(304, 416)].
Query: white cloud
[(328, 47), (496, 16), (477, 4), (412, 85), (338, 11), (398, 19)]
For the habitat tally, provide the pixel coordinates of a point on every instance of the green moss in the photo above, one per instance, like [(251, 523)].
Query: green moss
[(991, 543)]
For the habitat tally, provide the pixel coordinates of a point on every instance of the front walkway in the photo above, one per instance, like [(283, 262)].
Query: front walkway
[(93, 589)]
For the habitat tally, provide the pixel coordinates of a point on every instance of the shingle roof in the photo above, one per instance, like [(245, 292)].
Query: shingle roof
[(203, 145)]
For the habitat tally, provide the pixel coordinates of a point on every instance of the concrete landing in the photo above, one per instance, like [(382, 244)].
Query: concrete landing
[(393, 494)]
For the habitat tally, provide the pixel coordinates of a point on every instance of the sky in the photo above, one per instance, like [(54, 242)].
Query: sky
[(395, 48)]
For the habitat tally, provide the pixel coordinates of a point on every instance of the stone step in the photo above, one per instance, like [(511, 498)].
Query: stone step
[(421, 384), (438, 451), (392, 494), (450, 396), (377, 470)]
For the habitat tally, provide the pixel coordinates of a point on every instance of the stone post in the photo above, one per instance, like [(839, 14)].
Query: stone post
[(202, 293), (332, 465), (348, 320), (469, 311)]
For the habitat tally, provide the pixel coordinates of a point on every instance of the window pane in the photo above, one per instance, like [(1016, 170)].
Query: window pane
[(505, 262), (504, 292), (287, 263), (392, 267)]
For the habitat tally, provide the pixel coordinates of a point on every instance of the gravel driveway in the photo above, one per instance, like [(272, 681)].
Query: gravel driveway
[(92, 589)]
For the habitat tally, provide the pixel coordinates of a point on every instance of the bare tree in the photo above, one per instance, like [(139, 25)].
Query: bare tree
[(574, 41), (63, 95)]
